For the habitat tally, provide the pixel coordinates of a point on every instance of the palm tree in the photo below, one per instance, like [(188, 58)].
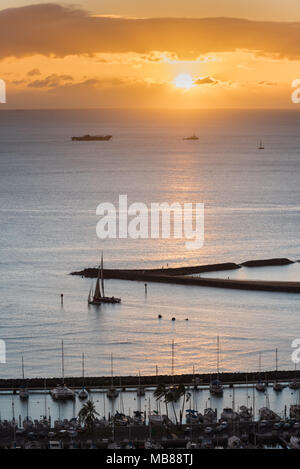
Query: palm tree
[(87, 415), (171, 395)]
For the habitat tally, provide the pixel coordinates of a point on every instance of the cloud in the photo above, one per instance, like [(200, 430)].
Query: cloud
[(52, 81), (34, 72), (69, 31), (205, 81)]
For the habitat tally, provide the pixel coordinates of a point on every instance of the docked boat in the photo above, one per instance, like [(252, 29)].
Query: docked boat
[(62, 392), (155, 418), (245, 413), (112, 392), (209, 416), (295, 384), (260, 386), (192, 137), (138, 417), (267, 414), (23, 393), (193, 417), (228, 414), (92, 138), (83, 393), (99, 295), (216, 387), (276, 385)]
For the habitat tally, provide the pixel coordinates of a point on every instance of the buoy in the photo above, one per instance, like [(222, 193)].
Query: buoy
[(159, 316), (173, 319), (62, 298), (187, 319)]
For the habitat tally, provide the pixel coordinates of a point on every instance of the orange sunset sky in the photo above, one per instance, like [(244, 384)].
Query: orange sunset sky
[(142, 53)]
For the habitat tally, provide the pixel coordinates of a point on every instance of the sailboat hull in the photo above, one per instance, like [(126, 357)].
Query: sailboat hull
[(104, 299)]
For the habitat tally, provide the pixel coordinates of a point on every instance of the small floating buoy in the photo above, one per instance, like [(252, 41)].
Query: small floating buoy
[(159, 316), (173, 319), (187, 319), (62, 298)]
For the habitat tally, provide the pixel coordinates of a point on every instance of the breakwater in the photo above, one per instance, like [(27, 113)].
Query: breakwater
[(152, 380), (183, 276)]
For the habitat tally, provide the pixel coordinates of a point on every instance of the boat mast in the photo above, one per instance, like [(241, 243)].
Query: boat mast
[(218, 353), (23, 375), (102, 279), (276, 352), (173, 360), (82, 369), (62, 362), (97, 294), (112, 369)]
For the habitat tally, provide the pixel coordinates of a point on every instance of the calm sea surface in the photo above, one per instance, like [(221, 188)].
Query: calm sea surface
[(49, 190)]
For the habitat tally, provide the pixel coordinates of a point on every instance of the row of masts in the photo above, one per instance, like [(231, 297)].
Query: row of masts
[(216, 387)]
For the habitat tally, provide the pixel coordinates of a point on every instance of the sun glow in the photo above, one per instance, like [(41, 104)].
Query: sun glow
[(185, 81)]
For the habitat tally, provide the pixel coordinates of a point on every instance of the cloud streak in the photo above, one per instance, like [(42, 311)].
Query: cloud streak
[(51, 29)]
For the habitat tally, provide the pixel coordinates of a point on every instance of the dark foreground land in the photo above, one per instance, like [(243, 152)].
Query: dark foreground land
[(184, 276)]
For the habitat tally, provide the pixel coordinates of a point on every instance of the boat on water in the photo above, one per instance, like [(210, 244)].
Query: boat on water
[(83, 393), (155, 418), (92, 138), (260, 385), (62, 392), (276, 385), (98, 297), (261, 146), (23, 393), (216, 387), (112, 392), (192, 137), (295, 384), (193, 417)]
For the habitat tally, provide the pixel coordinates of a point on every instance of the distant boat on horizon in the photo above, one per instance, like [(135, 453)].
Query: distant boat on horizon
[(192, 137), (99, 296), (92, 138)]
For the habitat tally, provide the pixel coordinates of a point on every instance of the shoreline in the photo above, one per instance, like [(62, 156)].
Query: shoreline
[(199, 379)]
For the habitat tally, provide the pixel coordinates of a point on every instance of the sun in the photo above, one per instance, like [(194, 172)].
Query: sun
[(185, 81)]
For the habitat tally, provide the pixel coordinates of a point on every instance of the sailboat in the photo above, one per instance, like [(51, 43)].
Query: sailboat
[(260, 386), (23, 393), (99, 295), (261, 146), (216, 387), (83, 394), (277, 386), (62, 393), (112, 393)]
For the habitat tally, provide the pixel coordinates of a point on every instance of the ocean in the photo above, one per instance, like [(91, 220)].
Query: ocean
[(50, 188)]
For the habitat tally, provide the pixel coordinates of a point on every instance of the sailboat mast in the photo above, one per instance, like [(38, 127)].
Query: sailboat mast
[(112, 369), (62, 362), (23, 375), (173, 360), (102, 279), (218, 357), (276, 352), (83, 369)]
